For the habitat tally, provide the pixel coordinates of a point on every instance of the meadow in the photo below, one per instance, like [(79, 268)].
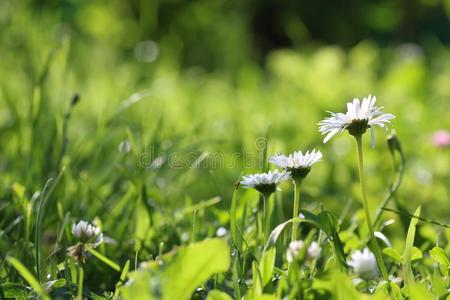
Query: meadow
[(101, 125)]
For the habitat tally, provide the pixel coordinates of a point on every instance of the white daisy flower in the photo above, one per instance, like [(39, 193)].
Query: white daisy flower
[(364, 264), (265, 183), (359, 117), (87, 233), (297, 163)]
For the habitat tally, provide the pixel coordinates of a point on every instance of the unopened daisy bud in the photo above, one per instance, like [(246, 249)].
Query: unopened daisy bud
[(87, 233), (75, 99), (294, 250), (364, 264), (297, 163), (265, 183), (360, 116), (394, 143)]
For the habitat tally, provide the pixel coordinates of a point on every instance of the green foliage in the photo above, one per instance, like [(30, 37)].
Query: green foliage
[(103, 258), (266, 265), (408, 251), (190, 267), (146, 113), (13, 290), (28, 276), (438, 255), (218, 295), (393, 254)]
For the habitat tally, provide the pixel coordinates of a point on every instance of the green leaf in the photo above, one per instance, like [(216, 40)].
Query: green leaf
[(416, 254), (388, 289), (55, 284), (273, 237), (339, 285), (327, 221), (192, 266), (407, 253), (420, 292), (142, 221), (330, 225), (439, 285), (257, 287), (266, 265), (393, 254), (438, 254), (218, 295), (309, 218), (141, 287), (26, 274)]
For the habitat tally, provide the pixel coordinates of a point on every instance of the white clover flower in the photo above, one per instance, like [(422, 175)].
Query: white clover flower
[(297, 163), (364, 264), (313, 251), (87, 233), (265, 183), (358, 118), (293, 250)]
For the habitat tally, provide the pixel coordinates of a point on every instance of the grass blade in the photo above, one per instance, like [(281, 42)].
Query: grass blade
[(103, 258), (235, 233), (45, 195), (407, 253), (123, 277), (28, 276)]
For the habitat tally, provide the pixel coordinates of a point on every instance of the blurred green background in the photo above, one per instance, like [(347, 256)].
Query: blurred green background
[(205, 79)]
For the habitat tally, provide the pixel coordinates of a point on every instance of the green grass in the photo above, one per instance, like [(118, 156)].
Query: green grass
[(193, 133)]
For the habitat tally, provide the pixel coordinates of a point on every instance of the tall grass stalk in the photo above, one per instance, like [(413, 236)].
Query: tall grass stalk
[(45, 195)]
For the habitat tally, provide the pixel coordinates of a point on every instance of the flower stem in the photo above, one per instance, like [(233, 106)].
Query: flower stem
[(362, 180), (297, 187), (80, 282), (266, 217)]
